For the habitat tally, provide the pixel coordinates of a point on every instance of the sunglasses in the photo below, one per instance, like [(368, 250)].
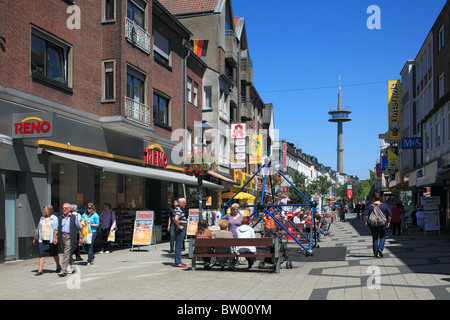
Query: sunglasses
[(89, 207)]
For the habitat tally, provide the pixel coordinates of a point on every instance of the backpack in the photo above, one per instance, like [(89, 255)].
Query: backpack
[(377, 217)]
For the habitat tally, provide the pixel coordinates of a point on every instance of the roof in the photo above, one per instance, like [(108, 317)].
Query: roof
[(188, 7)]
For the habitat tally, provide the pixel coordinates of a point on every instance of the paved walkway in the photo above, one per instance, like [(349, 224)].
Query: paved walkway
[(414, 267)]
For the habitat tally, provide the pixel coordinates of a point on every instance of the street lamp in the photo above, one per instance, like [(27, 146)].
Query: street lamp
[(199, 128)]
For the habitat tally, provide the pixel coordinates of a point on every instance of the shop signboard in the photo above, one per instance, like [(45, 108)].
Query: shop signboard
[(32, 125), (430, 213), (154, 155), (143, 228), (192, 222)]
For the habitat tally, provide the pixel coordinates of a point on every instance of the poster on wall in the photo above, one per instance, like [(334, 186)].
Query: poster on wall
[(192, 222), (431, 214), (143, 228)]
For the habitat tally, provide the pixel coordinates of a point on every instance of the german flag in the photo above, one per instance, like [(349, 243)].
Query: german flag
[(200, 47)]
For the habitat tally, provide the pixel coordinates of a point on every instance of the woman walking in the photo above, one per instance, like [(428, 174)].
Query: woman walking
[(48, 238)]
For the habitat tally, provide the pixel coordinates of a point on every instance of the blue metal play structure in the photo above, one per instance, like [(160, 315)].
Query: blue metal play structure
[(262, 207)]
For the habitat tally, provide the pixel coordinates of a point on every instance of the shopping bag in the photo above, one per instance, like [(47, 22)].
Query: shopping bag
[(87, 234), (112, 236)]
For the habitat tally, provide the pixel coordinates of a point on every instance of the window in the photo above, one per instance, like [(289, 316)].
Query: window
[(207, 104), (441, 38), (49, 59), (427, 138), (136, 12), (160, 109), (189, 90), (108, 80), (109, 11), (438, 129), (196, 94), (161, 48), (135, 86), (441, 85)]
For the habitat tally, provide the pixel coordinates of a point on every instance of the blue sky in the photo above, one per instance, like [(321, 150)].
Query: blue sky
[(298, 49)]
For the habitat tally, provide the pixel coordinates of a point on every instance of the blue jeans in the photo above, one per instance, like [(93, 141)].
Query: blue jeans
[(91, 248), (378, 238), (179, 239), (172, 228)]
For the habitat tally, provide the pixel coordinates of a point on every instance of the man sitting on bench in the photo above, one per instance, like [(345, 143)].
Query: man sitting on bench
[(245, 231)]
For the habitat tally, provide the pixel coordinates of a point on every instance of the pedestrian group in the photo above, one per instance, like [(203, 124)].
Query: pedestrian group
[(71, 230)]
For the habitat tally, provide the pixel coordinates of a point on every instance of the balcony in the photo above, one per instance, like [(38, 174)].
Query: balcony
[(137, 111), (137, 36), (247, 71)]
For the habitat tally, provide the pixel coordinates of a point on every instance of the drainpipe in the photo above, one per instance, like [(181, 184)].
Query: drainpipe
[(186, 46)]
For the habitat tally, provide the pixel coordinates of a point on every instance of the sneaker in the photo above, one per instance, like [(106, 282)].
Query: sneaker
[(88, 264), (380, 253), (107, 252)]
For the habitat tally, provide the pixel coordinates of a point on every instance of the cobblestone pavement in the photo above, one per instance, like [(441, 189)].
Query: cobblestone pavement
[(414, 267)]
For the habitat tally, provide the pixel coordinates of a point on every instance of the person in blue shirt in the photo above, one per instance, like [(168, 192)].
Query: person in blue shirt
[(69, 227), (91, 218)]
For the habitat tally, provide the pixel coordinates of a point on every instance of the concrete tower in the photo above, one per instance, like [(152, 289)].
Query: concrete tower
[(339, 115)]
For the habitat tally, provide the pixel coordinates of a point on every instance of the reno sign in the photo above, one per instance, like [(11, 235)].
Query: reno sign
[(154, 155), (32, 125)]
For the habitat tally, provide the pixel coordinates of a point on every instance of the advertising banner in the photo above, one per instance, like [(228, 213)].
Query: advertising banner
[(256, 145), (394, 106), (192, 222), (143, 227)]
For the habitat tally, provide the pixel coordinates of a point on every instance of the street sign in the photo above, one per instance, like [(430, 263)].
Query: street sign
[(411, 143)]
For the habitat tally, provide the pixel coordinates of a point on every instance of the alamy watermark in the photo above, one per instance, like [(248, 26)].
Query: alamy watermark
[(374, 21), (374, 280)]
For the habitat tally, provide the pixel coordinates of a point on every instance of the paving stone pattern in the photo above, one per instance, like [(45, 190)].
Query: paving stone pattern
[(414, 267)]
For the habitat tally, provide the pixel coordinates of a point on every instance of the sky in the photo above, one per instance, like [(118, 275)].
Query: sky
[(298, 48)]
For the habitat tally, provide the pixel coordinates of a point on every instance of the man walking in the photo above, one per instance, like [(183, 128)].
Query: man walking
[(69, 234), (180, 219), (377, 208)]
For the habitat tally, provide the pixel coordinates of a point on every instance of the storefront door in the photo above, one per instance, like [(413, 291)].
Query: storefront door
[(10, 226)]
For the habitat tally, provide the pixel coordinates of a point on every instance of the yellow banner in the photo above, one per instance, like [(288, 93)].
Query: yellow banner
[(392, 160), (395, 106), (256, 151)]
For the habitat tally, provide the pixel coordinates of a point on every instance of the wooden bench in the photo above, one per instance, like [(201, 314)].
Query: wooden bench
[(265, 243)]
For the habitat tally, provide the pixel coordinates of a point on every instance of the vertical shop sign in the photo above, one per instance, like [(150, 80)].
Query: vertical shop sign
[(394, 105), (238, 135)]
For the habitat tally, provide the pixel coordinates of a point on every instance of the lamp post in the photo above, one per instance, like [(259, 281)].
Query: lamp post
[(199, 127)]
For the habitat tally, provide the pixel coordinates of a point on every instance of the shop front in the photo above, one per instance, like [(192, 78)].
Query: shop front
[(79, 161)]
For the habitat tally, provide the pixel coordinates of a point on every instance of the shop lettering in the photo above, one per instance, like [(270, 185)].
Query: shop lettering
[(144, 216), (32, 127), (156, 158)]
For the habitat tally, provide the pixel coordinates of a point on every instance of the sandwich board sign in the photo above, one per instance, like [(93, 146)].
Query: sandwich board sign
[(143, 229)]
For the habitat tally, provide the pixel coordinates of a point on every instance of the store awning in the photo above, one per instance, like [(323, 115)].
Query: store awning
[(220, 176), (239, 196), (145, 172)]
